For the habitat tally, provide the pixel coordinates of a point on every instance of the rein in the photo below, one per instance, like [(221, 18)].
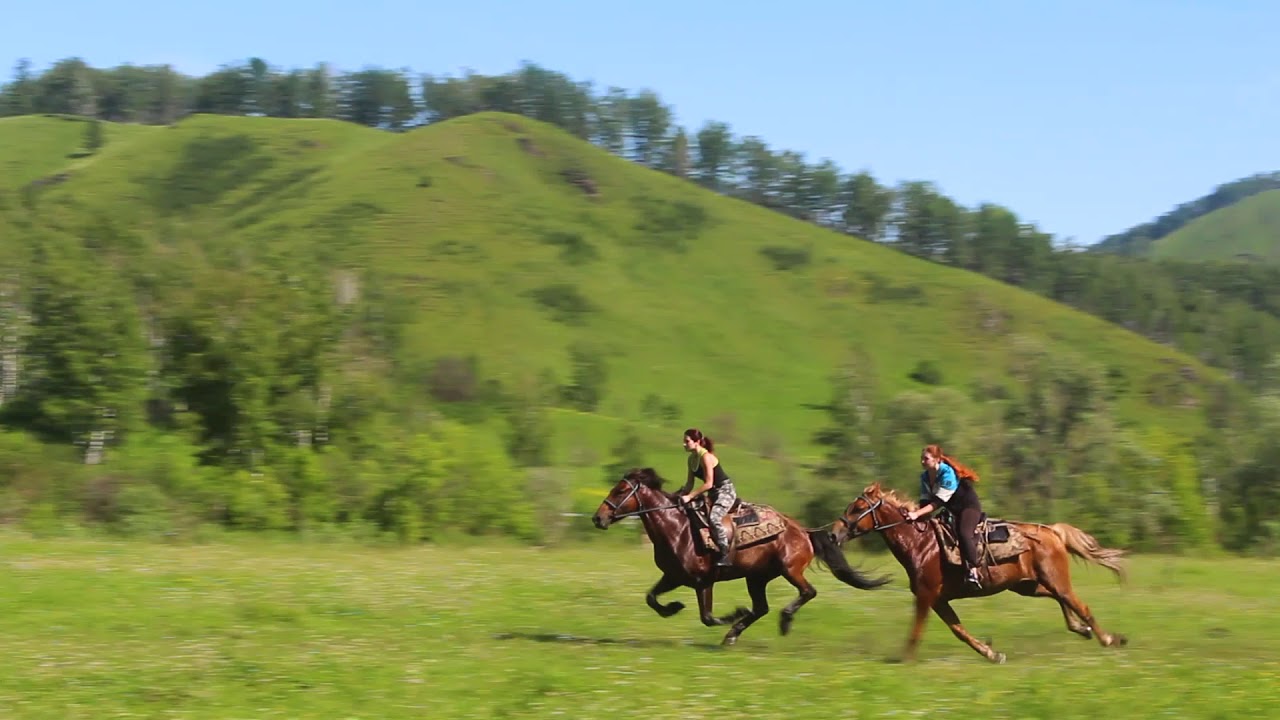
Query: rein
[(635, 490)]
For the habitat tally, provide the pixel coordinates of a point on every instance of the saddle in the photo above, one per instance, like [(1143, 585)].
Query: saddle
[(752, 524), (999, 541)]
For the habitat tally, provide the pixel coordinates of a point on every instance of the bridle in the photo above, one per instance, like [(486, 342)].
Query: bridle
[(633, 493), (872, 507)]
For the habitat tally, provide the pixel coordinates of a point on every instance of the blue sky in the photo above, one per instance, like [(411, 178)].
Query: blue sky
[(1083, 117)]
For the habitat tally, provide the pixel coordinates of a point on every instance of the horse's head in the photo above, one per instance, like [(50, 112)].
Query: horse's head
[(624, 498), (861, 516)]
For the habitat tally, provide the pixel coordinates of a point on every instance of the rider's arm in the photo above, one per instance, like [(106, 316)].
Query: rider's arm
[(923, 510), (709, 463), (688, 482)]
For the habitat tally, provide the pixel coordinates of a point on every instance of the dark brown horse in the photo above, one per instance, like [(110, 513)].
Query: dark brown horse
[(675, 552), (1042, 570)]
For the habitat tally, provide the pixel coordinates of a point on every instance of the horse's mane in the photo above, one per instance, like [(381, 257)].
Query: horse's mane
[(891, 496), (647, 477)]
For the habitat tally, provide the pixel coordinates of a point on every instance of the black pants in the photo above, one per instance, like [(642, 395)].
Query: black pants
[(966, 522)]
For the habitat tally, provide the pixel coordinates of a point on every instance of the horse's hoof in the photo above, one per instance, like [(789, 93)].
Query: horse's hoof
[(1118, 640), (729, 640), (674, 608), (998, 659), (784, 624)]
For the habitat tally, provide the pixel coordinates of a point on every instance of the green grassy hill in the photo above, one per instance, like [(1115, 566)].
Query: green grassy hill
[(1247, 230), (498, 236)]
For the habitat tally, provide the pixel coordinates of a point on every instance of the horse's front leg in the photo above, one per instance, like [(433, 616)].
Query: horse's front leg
[(948, 615), (665, 584)]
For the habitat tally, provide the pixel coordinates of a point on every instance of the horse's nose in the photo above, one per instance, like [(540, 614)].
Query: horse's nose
[(831, 535)]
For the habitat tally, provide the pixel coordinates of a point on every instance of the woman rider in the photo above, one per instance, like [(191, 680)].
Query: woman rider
[(946, 483), (705, 466)]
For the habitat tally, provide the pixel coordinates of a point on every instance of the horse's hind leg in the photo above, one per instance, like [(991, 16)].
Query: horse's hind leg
[(1069, 600), (796, 577), (1055, 577), (1033, 589), (759, 608), (704, 609), (665, 584), (948, 615)]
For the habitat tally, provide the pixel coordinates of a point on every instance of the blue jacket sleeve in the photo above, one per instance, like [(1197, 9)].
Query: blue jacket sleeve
[(948, 482)]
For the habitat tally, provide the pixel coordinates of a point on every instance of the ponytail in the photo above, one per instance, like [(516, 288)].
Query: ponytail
[(696, 435), (964, 472)]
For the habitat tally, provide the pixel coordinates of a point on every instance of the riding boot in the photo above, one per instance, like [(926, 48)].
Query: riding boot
[(722, 545)]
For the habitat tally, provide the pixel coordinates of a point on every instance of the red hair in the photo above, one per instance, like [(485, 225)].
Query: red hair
[(964, 472)]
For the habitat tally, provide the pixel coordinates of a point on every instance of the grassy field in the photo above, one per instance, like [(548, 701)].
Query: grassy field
[(259, 629)]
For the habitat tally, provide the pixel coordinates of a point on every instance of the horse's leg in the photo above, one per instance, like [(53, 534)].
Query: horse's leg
[(759, 608), (665, 584), (704, 609), (948, 615), (1031, 588), (795, 576), (923, 603), (1069, 600), (1055, 576)]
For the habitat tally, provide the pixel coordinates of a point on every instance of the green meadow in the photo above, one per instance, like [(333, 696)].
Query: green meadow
[(258, 628)]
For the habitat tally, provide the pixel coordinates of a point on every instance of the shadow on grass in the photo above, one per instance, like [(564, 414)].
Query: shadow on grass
[(567, 639)]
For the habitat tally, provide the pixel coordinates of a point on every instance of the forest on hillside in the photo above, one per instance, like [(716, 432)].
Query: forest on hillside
[(1223, 489)]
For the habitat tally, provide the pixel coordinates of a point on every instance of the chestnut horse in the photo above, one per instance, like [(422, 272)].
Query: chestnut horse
[(1042, 570), (639, 493)]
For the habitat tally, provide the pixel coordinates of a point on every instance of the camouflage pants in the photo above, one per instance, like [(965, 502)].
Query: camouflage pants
[(721, 500)]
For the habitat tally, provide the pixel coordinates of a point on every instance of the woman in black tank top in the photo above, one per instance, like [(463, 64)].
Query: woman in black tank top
[(719, 485)]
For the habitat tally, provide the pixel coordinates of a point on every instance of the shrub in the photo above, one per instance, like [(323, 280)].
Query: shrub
[(927, 372), (784, 259), (574, 249), (587, 379), (565, 303), (453, 379)]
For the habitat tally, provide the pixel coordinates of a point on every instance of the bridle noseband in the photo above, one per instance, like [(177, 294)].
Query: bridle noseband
[(634, 493), (852, 527)]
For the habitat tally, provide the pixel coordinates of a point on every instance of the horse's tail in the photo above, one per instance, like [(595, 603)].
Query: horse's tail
[(1083, 545), (828, 553)]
